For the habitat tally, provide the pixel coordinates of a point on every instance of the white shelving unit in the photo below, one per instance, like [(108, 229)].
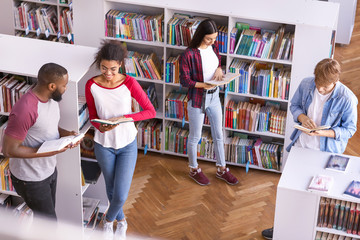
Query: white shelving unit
[(296, 208), (25, 56), (301, 18), (7, 18), (312, 23)]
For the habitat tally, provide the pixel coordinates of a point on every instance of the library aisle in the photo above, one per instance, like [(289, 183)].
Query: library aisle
[(165, 203)]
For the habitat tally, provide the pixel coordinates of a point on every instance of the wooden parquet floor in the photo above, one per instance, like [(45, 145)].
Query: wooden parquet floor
[(164, 203)]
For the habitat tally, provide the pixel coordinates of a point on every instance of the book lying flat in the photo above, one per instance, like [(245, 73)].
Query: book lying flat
[(337, 163), (110, 122), (310, 130), (228, 77), (353, 189), (58, 144), (321, 183)]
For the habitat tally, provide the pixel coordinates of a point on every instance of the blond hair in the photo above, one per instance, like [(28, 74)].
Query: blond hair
[(327, 71)]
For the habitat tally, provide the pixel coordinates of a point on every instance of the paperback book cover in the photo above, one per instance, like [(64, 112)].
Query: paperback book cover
[(321, 183), (337, 163), (353, 189)]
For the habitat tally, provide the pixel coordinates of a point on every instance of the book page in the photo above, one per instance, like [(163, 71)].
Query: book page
[(58, 144), (228, 77), (310, 130), (109, 122)]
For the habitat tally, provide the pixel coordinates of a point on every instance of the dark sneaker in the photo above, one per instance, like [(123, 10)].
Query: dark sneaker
[(226, 176), (268, 233), (199, 177)]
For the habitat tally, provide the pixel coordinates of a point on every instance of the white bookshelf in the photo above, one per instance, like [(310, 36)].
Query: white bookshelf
[(308, 20), (296, 211), (7, 19), (25, 56)]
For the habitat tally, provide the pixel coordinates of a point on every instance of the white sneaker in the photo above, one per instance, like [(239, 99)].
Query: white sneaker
[(120, 232), (108, 231)]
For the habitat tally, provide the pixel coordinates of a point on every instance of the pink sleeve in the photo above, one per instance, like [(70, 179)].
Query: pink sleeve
[(22, 117), (91, 103), (140, 96)]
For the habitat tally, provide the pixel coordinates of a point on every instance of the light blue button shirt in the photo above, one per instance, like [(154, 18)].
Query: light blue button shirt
[(340, 112)]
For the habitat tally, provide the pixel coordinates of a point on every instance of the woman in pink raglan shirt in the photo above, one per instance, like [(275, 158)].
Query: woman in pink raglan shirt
[(109, 97)]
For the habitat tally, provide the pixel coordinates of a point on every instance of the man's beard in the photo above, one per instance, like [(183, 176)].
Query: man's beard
[(56, 96)]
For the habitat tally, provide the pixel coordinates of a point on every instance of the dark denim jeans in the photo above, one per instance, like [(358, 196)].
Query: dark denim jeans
[(38, 195)]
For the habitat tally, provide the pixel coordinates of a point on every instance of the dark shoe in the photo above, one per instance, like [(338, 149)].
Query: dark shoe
[(268, 233), (226, 176), (199, 177)]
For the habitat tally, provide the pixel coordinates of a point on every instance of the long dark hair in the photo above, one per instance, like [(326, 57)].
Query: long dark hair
[(207, 26)]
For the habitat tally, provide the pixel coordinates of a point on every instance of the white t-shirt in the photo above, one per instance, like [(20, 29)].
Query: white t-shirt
[(315, 112), (209, 61)]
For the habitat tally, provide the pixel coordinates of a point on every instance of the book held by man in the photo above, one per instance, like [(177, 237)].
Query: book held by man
[(337, 163), (310, 130), (321, 183), (58, 144), (110, 122), (228, 77)]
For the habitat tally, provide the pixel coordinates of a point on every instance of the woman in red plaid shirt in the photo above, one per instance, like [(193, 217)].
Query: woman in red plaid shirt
[(200, 63)]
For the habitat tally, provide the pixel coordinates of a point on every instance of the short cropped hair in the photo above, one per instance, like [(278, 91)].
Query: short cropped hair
[(110, 50), (327, 71), (50, 73)]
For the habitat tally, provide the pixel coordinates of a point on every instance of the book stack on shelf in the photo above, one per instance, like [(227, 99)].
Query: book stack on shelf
[(83, 111), (266, 80), (222, 38), (44, 20), (172, 69), (176, 105), (143, 65), (151, 93), (262, 43), (127, 25), (90, 212), (254, 117), (176, 138), (13, 88), (149, 134), (5, 179), (242, 150)]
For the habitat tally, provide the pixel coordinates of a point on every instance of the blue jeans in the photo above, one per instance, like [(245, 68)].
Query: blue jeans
[(196, 119), (117, 166), (38, 195)]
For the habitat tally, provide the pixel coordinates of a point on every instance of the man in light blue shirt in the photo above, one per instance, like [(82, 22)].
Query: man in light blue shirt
[(323, 101)]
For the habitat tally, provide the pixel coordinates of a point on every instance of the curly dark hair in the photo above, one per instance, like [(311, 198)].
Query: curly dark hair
[(110, 50)]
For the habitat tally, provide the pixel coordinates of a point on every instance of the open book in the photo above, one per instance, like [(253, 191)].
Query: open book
[(228, 77), (109, 122), (58, 144), (310, 130)]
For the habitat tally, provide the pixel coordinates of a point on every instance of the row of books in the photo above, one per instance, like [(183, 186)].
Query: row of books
[(149, 134), (331, 236), (12, 89), (181, 29), (176, 105), (222, 38), (127, 25), (254, 117), (66, 21), (143, 65), (172, 70), (5, 179), (151, 93), (32, 17), (23, 212), (240, 149), (262, 43), (260, 79), (42, 36), (3, 125), (83, 111), (339, 214)]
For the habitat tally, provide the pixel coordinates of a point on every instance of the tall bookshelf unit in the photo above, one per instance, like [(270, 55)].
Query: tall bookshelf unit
[(24, 57), (12, 24), (312, 23), (296, 212)]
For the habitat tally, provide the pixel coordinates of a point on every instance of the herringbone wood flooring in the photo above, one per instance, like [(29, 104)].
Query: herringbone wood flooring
[(165, 203)]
